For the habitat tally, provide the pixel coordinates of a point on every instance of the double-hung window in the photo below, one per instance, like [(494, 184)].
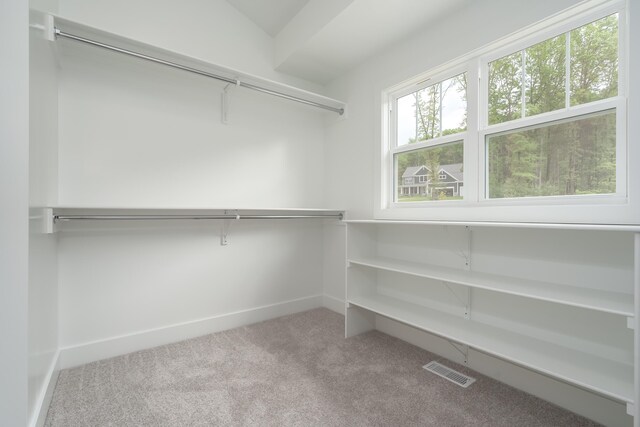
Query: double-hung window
[(539, 121)]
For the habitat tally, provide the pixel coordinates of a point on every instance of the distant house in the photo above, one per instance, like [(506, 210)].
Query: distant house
[(416, 181)]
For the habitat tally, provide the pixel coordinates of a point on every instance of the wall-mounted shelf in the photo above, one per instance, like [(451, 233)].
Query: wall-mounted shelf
[(610, 302), (72, 34), (52, 217), (559, 299), (541, 225), (612, 379)]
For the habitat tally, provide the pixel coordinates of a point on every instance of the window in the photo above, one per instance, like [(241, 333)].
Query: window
[(561, 156), (538, 122), (428, 120)]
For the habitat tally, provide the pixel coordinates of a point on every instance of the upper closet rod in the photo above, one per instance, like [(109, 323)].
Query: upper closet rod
[(165, 217), (60, 33)]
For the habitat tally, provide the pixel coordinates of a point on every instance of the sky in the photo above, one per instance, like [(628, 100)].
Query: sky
[(453, 112)]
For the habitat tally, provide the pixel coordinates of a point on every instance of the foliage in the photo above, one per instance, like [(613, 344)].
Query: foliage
[(563, 158), (569, 157)]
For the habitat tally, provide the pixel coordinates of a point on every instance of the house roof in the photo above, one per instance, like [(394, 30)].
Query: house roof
[(455, 170), (412, 171)]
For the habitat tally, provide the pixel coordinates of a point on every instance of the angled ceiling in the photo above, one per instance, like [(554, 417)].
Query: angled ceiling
[(318, 40), (270, 15)]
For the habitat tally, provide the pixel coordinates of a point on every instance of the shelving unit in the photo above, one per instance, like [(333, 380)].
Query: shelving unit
[(70, 35), (501, 290), (53, 217), (610, 302)]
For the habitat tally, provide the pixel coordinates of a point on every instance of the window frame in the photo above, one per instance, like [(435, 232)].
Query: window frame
[(476, 65), (395, 149)]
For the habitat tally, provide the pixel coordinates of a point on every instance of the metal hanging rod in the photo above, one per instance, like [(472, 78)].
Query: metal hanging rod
[(196, 217), (60, 33)]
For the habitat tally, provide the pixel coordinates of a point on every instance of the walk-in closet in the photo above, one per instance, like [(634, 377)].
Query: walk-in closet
[(331, 213)]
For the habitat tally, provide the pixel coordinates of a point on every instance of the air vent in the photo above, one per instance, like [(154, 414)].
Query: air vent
[(445, 372)]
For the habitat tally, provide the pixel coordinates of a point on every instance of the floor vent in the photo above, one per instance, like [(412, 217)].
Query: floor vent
[(454, 376)]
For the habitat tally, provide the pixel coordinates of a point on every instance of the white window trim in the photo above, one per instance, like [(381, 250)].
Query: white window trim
[(609, 208)]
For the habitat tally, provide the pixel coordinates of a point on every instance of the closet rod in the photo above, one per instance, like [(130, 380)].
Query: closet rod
[(166, 217), (60, 33)]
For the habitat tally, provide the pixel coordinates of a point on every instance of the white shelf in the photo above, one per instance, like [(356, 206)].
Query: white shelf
[(557, 226), (610, 302), (101, 210), (611, 379), (139, 47)]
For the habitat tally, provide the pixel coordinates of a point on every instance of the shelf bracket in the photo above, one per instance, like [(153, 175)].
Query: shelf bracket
[(225, 102), (464, 299), (461, 251), (467, 256), (226, 227), (462, 349), (631, 409), (631, 322)]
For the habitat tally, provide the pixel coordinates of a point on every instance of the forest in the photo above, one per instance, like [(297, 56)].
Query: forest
[(563, 157)]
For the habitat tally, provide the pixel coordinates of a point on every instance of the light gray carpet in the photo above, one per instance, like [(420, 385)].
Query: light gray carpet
[(297, 370)]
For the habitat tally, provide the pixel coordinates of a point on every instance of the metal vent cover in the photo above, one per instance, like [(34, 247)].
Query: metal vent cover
[(447, 373)]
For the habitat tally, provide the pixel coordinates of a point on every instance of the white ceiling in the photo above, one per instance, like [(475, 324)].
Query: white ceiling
[(319, 40), (270, 15)]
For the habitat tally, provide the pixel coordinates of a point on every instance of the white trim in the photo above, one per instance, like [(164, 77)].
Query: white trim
[(333, 303), (91, 351), (39, 413), (431, 143)]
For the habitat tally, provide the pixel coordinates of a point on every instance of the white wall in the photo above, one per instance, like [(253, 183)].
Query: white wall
[(14, 203), (137, 134), (43, 191), (210, 30), (351, 145)]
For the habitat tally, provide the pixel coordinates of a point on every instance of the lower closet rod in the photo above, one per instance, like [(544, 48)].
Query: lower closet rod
[(166, 217)]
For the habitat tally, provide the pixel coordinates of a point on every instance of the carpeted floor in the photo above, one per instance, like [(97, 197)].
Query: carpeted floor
[(297, 370)]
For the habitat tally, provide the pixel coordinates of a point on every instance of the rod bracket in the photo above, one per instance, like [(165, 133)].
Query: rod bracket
[(226, 227)]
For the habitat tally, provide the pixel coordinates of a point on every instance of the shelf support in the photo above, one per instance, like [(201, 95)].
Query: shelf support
[(462, 349), (225, 102), (226, 227), (465, 299), (467, 258)]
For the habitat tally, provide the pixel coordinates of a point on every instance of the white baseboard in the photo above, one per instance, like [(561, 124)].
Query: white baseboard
[(333, 303), (585, 403), (39, 414), (115, 346)]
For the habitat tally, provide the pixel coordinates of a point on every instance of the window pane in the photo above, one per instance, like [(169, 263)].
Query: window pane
[(594, 61), (545, 71), (505, 89), (406, 121), (428, 112), (454, 105), (563, 158), (433, 173)]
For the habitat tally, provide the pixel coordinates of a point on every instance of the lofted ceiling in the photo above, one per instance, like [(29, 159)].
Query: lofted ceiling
[(318, 40), (270, 15)]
